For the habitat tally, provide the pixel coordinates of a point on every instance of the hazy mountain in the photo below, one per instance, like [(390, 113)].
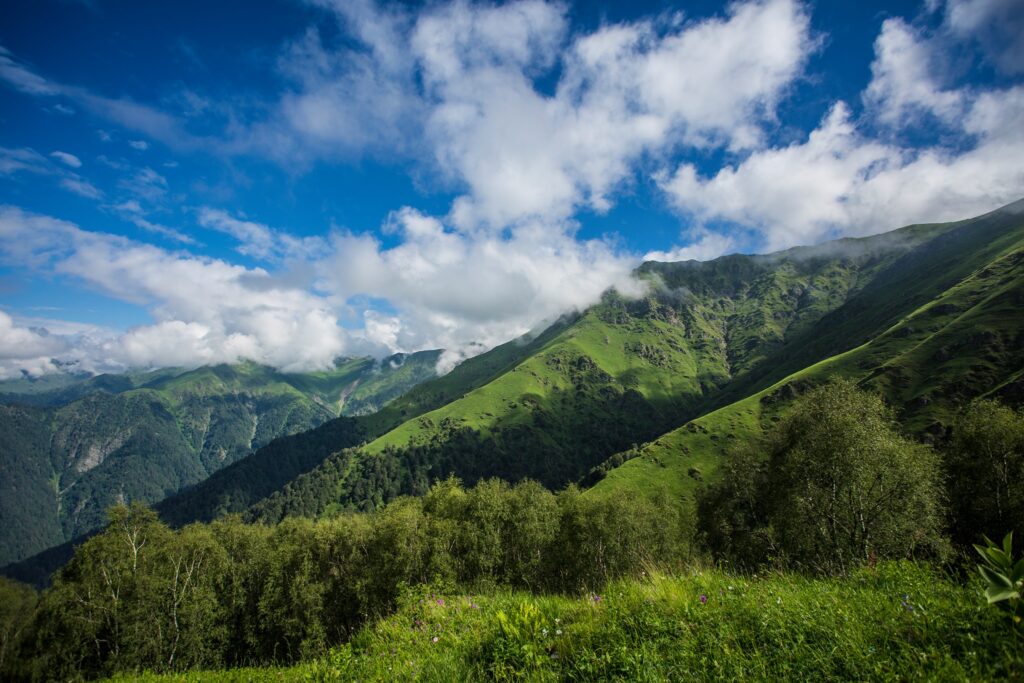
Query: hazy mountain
[(70, 446)]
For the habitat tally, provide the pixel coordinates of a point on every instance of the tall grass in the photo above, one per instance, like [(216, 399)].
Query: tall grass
[(896, 622)]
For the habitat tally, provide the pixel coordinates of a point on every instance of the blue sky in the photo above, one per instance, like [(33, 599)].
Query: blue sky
[(187, 183)]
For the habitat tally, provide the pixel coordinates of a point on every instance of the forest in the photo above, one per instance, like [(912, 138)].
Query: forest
[(834, 497)]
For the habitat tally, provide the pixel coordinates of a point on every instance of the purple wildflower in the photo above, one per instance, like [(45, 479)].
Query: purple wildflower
[(440, 601), (595, 597), (703, 599)]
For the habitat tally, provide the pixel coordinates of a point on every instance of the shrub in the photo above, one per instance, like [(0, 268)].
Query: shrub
[(834, 487)]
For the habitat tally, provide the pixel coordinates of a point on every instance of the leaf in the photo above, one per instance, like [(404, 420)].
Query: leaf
[(995, 579), (1018, 572), (995, 594), (1008, 545)]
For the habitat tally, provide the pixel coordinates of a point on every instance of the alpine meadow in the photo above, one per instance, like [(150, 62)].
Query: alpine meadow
[(511, 340)]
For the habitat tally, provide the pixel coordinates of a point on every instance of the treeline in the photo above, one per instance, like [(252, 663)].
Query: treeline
[(143, 596), (568, 433), (833, 486)]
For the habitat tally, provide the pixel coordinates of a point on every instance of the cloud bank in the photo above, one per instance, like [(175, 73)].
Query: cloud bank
[(527, 122)]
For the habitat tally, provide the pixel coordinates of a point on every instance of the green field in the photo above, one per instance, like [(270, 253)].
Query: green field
[(892, 623)]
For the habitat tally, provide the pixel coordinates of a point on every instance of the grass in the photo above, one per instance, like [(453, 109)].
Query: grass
[(899, 621), (963, 342)]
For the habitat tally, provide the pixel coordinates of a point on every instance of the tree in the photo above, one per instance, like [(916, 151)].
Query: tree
[(17, 605), (839, 486), (985, 460)]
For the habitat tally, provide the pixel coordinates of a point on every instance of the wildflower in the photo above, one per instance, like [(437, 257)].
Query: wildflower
[(543, 631), (558, 632), (557, 620), (703, 599), (595, 597), (434, 639), (440, 601)]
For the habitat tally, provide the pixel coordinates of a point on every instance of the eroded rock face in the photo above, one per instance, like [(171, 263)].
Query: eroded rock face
[(97, 452)]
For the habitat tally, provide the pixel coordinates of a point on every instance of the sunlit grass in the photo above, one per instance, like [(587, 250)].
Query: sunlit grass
[(896, 622)]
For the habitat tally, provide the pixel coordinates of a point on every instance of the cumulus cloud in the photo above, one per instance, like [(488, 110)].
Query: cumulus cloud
[(704, 246), (445, 289), (841, 181), (206, 310), (903, 84), (140, 145), (996, 26), (624, 91), (458, 291)]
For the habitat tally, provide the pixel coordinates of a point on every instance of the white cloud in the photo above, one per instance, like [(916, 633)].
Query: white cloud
[(140, 145), (451, 289), (145, 183), (24, 159), (840, 181), (902, 78), (206, 310), (996, 25), (28, 160), (81, 187), (258, 240), (624, 90), (67, 159), (123, 111), (132, 211), (446, 289), (704, 246)]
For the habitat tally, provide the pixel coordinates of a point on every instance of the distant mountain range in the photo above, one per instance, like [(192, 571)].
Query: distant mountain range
[(647, 394), (72, 445)]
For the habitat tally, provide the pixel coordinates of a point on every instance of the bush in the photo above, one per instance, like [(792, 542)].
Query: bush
[(833, 487), (140, 596), (985, 459)]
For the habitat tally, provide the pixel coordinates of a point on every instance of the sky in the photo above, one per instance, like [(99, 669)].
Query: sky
[(188, 183)]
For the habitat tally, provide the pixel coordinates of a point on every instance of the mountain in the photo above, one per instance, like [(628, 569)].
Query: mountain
[(940, 326), (647, 395), (927, 314), (71, 447)]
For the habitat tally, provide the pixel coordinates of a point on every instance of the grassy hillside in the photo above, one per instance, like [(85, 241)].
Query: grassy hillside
[(951, 330), (70, 452), (625, 371), (896, 622)]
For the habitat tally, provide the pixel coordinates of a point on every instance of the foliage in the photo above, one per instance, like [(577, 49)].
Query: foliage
[(899, 621), (17, 606), (145, 436), (838, 488), (985, 458), (929, 318), (1004, 578), (140, 595)]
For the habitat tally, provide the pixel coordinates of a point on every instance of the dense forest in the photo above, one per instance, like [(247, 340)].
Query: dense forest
[(69, 449)]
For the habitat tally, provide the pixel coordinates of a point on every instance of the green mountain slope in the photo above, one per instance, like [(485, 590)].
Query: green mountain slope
[(70, 451), (944, 325), (625, 371)]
